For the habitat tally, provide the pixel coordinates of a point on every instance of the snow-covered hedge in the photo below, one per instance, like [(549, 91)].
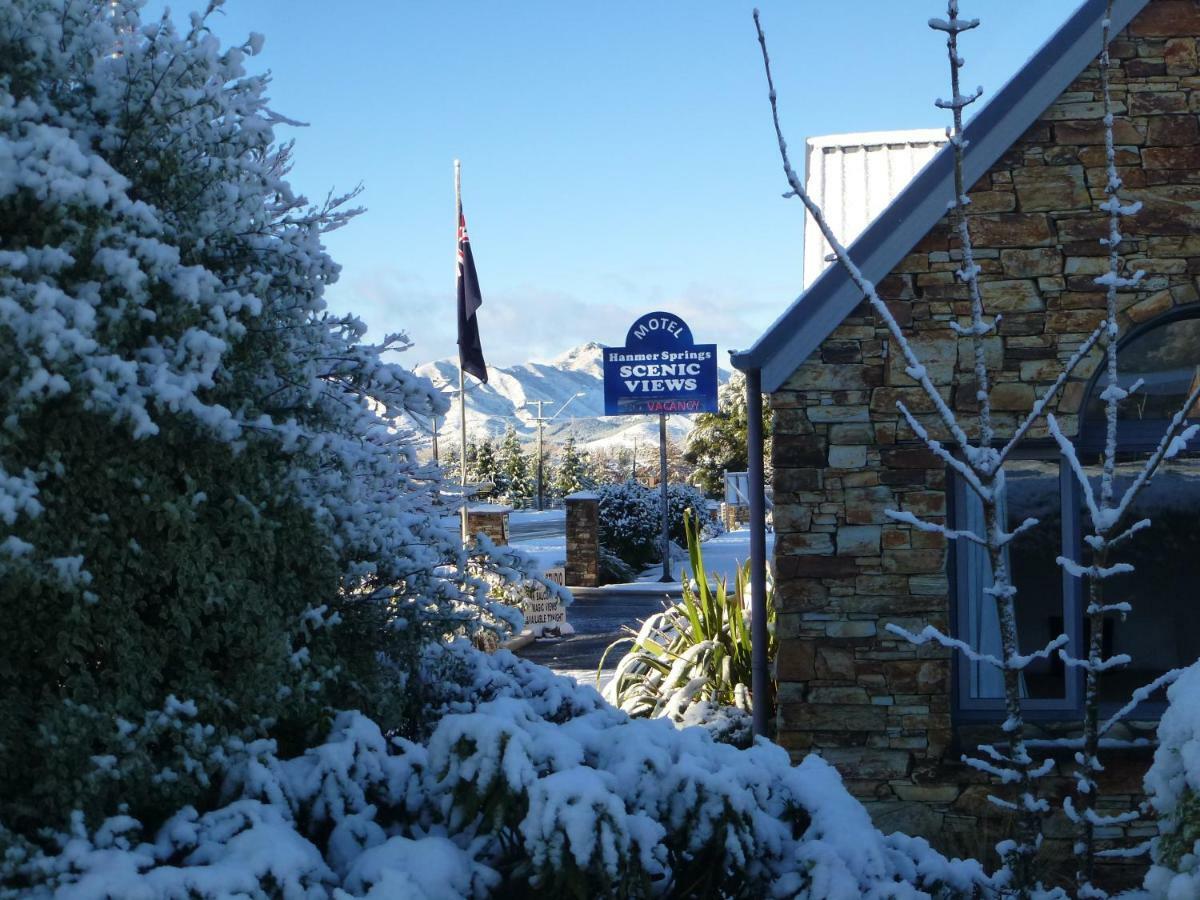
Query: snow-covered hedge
[(525, 783), (631, 519), (1173, 786)]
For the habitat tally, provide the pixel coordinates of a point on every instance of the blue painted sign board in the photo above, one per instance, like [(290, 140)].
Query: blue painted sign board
[(660, 370)]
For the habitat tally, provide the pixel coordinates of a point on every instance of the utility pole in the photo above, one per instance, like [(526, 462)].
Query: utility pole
[(541, 421), (436, 461)]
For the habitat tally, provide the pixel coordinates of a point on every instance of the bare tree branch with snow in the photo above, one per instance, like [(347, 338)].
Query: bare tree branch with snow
[(978, 463), (1107, 511)]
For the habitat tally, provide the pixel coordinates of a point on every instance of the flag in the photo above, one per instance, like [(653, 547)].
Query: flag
[(470, 351)]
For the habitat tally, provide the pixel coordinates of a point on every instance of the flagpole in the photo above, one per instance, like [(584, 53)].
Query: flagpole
[(462, 381)]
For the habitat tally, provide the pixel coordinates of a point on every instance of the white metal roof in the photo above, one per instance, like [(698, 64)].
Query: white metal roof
[(853, 177)]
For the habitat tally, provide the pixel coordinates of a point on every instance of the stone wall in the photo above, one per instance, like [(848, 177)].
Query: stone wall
[(583, 540), (490, 520), (872, 704)]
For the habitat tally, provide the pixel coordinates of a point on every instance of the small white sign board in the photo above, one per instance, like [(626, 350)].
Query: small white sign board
[(737, 488), (545, 613)]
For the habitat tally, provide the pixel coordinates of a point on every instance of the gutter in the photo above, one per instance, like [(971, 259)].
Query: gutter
[(759, 663)]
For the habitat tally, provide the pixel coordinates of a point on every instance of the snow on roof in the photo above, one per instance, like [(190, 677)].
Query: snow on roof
[(820, 309)]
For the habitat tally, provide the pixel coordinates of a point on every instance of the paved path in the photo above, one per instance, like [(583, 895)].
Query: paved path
[(597, 621)]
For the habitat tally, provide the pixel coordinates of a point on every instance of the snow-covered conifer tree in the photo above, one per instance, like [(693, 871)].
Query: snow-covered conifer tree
[(213, 525), (717, 442), (515, 470), (487, 465), (574, 470)]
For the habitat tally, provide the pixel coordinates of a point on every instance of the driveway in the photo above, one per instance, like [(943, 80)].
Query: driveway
[(597, 620)]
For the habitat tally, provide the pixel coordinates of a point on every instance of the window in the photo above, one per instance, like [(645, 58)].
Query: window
[(1047, 599), (1163, 630)]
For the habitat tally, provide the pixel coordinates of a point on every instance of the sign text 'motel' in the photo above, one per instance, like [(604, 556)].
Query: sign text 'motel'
[(660, 370)]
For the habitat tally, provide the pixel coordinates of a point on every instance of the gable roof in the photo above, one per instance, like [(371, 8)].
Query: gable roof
[(819, 310)]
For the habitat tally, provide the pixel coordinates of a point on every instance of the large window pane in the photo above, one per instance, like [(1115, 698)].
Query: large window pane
[(1163, 630), (1034, 491)]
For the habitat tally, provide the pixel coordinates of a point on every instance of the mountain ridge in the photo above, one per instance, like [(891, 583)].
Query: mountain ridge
[(508, 398)]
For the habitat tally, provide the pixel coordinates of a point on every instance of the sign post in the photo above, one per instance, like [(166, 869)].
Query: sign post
[(666, 504), (662, 371)]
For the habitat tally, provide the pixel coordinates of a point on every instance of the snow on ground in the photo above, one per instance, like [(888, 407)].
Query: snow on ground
[(597, 615), (548, 551), (720, 556)]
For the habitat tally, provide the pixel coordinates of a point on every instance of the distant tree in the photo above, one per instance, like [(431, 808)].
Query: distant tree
[(574, 472), (516, 470), (717, 443), (611, 466), (450, 462), (472, 459), (679, 468), (487, 465)]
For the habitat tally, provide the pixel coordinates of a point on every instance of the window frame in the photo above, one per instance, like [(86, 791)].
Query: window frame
[(1137, 438), (980, 709)]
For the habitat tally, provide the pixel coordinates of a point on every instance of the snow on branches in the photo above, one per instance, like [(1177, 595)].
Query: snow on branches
[(1107, 508), (524, 783), (195, 453)]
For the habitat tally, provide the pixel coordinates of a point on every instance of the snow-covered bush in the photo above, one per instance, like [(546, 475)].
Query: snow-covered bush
[(526, 785), (631, 519), (1173, 787), (613, 569), (691, 663), (630, 522), (209, 530)]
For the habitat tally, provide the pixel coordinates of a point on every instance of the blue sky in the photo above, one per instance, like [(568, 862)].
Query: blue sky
[(617, 157)]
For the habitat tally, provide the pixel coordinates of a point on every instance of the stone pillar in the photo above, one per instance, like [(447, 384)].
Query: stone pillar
[(490, 519), (583, 539)]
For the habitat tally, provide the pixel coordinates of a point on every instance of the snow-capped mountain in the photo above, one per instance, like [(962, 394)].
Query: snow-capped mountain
[(510, 394)]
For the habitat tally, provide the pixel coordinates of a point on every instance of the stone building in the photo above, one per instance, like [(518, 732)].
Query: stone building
[(894, 718)]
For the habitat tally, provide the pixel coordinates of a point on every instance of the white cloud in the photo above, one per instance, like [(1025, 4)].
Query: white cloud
[(532, 321)]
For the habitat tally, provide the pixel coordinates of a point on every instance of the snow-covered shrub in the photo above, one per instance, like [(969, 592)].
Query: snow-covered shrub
[(613, 569), (1173, 787), (209, 529), (691, 663), (630, 522), (526, 785), (631, 519)]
